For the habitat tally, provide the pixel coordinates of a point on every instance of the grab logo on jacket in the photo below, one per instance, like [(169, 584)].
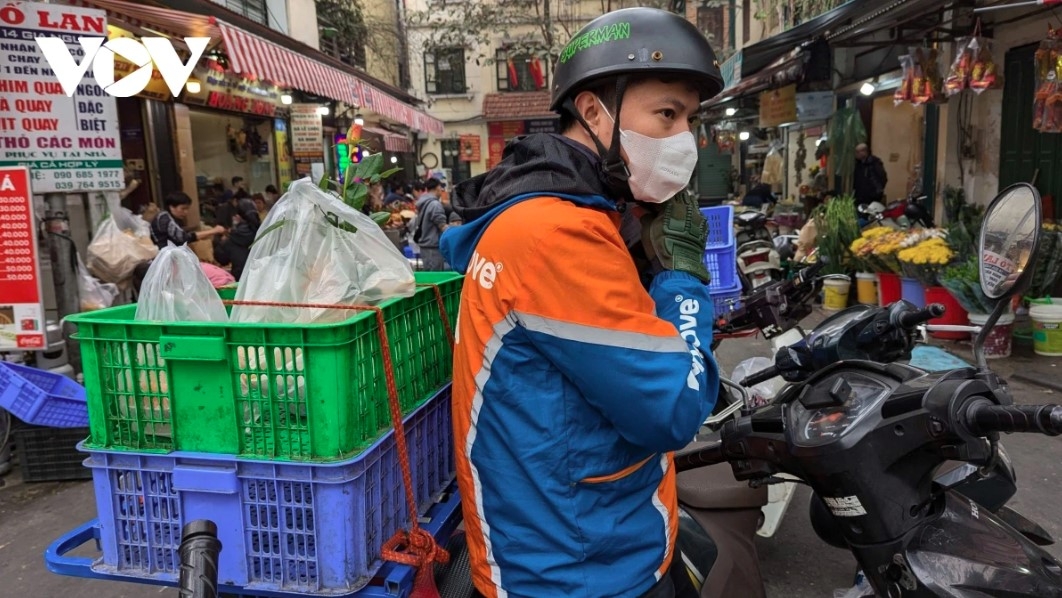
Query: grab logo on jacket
[(483, 271)]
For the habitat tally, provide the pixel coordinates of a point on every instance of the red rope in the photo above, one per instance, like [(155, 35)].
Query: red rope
[(415, 547)]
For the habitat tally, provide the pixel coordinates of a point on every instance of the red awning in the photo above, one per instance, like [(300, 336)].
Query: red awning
[(251, 54), (393, 142)]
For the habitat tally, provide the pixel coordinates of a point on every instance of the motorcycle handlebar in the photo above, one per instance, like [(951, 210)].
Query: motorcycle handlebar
[(199, 560), (701, 455), (914, 318), (760, 376), (982, 418)]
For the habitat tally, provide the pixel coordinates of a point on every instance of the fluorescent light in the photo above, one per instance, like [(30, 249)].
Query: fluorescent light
[(744, 135), (285, 98), (193, 86), (868, 88), (322, 110), (394, 159), (731, 111), (358, 120)]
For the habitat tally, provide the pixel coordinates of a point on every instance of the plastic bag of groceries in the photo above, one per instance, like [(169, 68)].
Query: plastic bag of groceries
[(176, 289), (763, 393), (121, 242), (94, 294), (313, 248)]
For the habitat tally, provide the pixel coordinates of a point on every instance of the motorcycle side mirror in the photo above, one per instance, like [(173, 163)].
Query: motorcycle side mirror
[(1007, 252)]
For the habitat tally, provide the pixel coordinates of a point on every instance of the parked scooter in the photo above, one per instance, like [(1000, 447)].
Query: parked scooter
[(757, 256), (867, 434), (903, 213)]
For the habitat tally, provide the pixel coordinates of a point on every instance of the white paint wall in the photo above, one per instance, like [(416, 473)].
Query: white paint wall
[(301, 20)]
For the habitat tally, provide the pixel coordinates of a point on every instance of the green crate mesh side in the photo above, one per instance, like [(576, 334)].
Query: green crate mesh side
[(300, 392)]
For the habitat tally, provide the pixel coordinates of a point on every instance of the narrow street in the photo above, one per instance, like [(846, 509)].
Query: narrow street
[(795, 563)]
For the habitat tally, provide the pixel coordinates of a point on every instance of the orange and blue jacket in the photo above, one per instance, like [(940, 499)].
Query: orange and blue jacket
[(573, 384)]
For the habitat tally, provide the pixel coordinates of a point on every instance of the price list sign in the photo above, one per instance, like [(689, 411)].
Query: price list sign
[(21, 301), (71, 144)]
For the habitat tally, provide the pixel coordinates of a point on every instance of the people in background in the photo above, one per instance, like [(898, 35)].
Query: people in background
[(870, 177), (271, 196), (168, 226), (429, 225), (261, 206), (236, 247), (758, 196)]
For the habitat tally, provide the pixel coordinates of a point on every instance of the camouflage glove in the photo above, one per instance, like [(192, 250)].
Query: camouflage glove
[(677, 236)]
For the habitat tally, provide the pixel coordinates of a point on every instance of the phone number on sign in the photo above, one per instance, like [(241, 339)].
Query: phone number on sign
[(87, 185)]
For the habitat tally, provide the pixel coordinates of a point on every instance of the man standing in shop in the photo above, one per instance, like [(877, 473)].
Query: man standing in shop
[(431, 222), (870, 178)]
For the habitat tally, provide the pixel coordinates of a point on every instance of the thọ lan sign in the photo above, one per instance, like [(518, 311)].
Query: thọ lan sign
[(97, 52)]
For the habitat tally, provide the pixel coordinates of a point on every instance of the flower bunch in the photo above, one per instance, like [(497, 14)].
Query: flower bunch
[(875, 250), (925, 259)]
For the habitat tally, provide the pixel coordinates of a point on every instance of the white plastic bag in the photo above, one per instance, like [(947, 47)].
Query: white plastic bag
[(121, 242), (763, 393), (176, 289), (313, 248), (93, 293)]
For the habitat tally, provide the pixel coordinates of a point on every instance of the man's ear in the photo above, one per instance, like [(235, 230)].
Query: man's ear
[(588, 106)]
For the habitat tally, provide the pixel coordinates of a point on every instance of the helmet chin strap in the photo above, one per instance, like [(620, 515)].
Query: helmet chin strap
[(613, 167)]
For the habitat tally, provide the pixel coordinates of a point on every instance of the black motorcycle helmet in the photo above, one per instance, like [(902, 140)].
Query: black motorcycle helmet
[(625, 43)]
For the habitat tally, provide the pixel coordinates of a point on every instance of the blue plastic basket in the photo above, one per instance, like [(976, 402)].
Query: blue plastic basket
[(42, 398), (726, 300), (284, 527), (722, 265), (720, 226)]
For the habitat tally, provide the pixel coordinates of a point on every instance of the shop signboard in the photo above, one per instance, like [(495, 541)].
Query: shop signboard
[(21, 299), (70, 144), (814, 106), (307, 135), (778, 107), (224, 90), (284, 163), (156, 89)]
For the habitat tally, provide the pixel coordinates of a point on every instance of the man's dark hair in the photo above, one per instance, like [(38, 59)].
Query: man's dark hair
[(241, 194), (271, 189), (236, 180), (418, 185), (177, 198), (432, 184)]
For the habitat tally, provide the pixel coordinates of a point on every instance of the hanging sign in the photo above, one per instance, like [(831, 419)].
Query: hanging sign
[(814, 106), (21, 300), (778, 106), (307, 134), (70, 144), (224, 90)]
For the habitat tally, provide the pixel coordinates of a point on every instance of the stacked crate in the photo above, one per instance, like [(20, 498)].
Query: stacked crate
[(279, 433)]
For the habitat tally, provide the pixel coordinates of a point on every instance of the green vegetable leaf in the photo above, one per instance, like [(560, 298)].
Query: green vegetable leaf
[(356, 195), (390, 172), (381, 218), (269, 229), (369, 166)]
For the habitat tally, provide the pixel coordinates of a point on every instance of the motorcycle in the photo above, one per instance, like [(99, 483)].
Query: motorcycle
[(758, 258), (898, 214), (867, 435)]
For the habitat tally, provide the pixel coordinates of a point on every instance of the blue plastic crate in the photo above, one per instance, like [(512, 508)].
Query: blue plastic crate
[(722, 265), (313, 529), (726, 300), (720, 226), (42, 398)]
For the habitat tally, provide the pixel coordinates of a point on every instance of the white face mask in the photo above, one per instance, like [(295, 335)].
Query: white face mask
[(659, 168)]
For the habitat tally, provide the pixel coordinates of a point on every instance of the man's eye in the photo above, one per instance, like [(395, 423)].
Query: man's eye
[(668, 113)]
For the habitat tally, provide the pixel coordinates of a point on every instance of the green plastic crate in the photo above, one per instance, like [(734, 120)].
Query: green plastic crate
[(305, 392)]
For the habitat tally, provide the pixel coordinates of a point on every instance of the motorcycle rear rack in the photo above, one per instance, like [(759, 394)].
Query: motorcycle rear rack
[(392, 581)]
